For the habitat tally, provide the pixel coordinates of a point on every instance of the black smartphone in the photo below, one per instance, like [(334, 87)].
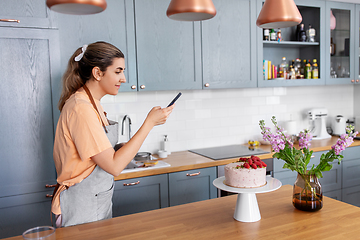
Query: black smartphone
[(174, 100)]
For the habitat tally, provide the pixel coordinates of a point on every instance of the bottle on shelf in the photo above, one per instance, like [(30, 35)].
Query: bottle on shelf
[(332, 47), (301, 37), (283, 68), (266, 35), (292, 72), (272, 35), (302, 69), (278, 35), (297, 67), (308, 70), (315, 70), (310, 34)]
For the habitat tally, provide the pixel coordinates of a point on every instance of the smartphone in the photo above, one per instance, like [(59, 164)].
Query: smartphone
[(174, 100)]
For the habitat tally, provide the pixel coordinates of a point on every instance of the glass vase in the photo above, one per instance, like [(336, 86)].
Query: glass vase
[(307, 193)]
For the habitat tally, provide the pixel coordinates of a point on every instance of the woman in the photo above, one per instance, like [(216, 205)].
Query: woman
[(85, 159)]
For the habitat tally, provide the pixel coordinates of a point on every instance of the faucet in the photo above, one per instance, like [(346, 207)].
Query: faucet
[(122, 129)]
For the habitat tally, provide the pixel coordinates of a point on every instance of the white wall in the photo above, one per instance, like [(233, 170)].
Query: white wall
[(206, 118)]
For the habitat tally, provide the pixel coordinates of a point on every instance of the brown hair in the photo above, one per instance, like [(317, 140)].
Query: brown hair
[(98, 54)]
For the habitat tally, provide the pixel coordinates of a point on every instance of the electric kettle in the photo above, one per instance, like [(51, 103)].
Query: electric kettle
[(339, 125)]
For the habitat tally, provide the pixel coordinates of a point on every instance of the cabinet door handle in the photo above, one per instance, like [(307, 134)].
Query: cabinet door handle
[(9, 20), (131, 184), (312, 156), (357, 80), (352, 80), (192, 174), (206, 84), (142, 86), (50, 186), (133, 87), (49, 195)]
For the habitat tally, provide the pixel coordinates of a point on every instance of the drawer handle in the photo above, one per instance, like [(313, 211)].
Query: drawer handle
[(312, 156), (50, 186), (49, 195), (131, 184), (192, 174), (9, 20)]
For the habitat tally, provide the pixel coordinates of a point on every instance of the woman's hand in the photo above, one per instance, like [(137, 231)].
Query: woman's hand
[(114, 161), (158, 115)]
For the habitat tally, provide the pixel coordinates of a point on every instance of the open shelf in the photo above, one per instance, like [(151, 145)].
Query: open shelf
[(289, 44)]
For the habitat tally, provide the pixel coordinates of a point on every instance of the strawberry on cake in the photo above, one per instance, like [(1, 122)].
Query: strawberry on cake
[(246, 173)]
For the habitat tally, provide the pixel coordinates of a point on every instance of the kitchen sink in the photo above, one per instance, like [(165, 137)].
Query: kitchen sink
[(134, 166)]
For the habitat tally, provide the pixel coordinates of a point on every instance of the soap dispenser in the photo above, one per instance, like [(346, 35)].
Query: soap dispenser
[(165, 145)]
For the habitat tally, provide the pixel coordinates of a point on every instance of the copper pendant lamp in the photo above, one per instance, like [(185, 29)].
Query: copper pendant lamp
[(279, 14), (191, 10), (77, 7)]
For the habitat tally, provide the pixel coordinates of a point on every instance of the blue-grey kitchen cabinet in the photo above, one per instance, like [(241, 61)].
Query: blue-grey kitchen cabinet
[(30, 13), (168, 51), (342, 63), (351, 176), (29, 60), (357, 46), (228, 49), (140, 194), (313, 12), (114, 25), (191, 186)]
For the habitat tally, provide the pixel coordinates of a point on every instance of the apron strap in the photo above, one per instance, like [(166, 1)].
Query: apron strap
[(94, 105)]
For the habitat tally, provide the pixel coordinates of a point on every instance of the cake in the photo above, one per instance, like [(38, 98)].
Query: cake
[(246, 173)]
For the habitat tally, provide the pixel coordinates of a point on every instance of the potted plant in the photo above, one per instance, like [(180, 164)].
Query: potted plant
[(307, 193)]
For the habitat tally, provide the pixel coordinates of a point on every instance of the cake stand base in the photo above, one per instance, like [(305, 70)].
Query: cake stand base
[(247, 208)]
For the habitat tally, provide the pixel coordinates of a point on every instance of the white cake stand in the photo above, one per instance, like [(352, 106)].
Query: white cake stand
[(247, 208)]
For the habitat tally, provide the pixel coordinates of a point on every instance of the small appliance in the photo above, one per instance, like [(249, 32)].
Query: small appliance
[(339, 125), (317, 118)]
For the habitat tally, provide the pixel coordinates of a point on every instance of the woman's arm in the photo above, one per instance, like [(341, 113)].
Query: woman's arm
[(114, 162)]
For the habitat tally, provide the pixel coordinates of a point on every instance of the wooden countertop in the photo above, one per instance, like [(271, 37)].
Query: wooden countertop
[(213, 219), (185, 160)]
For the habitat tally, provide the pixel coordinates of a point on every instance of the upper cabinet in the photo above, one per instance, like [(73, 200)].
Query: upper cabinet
[(229, 54), (168, 51), (114, 25), (340, 40), (357, 46), (313, 14), (30, 13)]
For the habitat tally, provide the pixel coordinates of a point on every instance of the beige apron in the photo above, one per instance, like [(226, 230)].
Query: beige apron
[(91, 199)]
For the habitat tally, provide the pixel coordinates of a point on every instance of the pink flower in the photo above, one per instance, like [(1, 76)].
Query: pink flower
[(305, 138), (344, 141)]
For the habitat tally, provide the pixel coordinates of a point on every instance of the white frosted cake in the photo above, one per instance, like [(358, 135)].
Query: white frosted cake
[(246, 173)]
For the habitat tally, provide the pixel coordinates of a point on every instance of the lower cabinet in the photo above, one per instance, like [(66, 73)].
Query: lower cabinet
[(21, 212), (159, 191), (192, 186), (140, 194), (351, 176)]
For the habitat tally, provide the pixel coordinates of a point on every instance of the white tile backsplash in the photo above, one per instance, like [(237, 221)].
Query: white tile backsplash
[(207, 118)]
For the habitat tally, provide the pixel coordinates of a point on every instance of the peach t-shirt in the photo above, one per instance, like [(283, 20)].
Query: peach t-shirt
[(79, 136)]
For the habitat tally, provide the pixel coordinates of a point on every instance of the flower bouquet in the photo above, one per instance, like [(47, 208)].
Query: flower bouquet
[(309, 193)]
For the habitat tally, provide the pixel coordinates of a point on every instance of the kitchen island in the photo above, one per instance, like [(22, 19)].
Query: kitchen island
[(213, 219)]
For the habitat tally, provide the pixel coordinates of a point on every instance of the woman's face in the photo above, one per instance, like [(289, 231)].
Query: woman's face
[(112, 78)]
